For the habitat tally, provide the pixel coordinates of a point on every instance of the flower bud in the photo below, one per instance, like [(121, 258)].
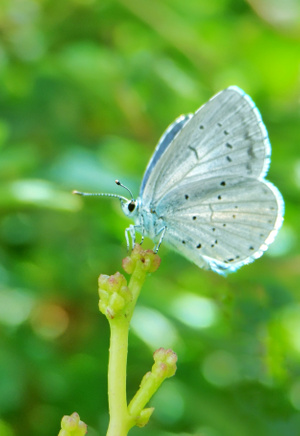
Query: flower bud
[(72, 426), (114, 295), (147, 258), (165, 363)]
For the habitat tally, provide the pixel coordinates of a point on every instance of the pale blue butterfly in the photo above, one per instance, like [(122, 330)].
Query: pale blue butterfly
[(204, 191)]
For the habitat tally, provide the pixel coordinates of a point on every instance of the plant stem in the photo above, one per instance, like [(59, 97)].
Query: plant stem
[(119, 419), (135, 285), (117, 303)]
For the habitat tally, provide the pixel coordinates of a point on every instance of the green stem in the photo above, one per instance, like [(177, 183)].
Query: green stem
[(119, 418), (144, 394), (135, 285)]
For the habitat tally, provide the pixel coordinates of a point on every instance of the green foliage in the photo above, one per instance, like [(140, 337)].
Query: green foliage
[(87, 87)]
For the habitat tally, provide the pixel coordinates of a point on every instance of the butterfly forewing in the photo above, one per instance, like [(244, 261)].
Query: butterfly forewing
[(164, 142), (226, 136)]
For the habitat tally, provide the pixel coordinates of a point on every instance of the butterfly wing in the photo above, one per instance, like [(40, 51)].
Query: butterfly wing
[(208, 185), (222, 226), (225, 136), (165, 140)]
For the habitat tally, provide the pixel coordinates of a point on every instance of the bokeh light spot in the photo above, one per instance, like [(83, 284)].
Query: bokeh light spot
[(168, 403), (195, 311), (49, 321), (15, 306), (153, 328)]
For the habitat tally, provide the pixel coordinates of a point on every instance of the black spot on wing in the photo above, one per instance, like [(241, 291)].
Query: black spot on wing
[(250, 152), (194, 150)]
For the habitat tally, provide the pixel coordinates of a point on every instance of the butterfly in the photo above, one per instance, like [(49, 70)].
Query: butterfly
[(204, 191)]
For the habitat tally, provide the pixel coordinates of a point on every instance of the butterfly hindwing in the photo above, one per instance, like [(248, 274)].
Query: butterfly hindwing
[(222, 226)]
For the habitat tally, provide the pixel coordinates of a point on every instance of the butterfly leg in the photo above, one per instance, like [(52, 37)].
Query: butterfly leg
[(127, 238), (131, 230), (162, 232), (142, 230)]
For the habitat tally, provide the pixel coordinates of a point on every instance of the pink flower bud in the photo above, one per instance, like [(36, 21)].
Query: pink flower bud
[(165, 362), (147, 258)]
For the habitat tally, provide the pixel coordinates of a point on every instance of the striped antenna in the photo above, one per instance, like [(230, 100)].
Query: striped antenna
[(125, 187), (92, 194)]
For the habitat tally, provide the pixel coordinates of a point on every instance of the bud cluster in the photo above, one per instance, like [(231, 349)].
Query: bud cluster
[(165, 363), (72, 426), (114, 295), (148, 260)]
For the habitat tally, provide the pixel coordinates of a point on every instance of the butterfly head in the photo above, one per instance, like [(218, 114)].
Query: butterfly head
[(130, 207)]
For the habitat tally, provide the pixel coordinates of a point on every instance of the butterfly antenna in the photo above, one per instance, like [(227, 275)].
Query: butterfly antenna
[(89, 194), (125, 187)]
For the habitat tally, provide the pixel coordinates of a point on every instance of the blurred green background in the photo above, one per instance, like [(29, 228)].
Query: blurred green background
[(86, 89)]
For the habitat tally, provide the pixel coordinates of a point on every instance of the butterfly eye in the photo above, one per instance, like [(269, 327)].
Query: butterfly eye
[(131, 206)]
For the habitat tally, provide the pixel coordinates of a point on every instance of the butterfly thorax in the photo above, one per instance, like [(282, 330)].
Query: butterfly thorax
[(150, 222)]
